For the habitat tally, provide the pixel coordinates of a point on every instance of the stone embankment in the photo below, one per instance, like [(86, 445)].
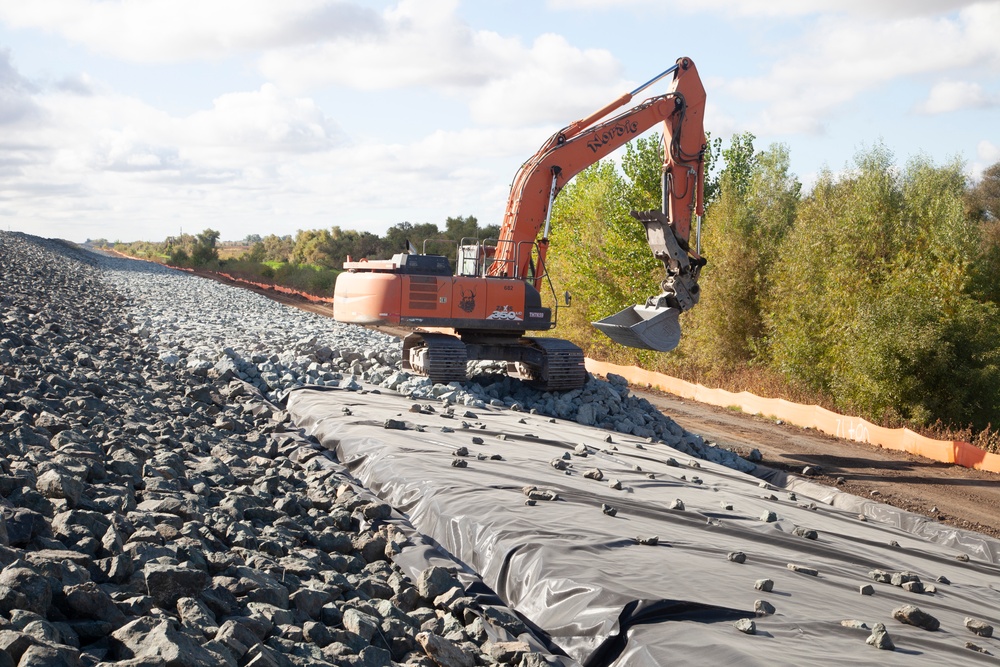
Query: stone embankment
[(159, 508)]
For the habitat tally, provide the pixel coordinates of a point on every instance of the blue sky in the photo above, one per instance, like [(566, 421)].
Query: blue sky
[(136, 120)]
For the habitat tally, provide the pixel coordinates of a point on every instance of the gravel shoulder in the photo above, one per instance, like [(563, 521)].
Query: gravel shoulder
[(963, 497)]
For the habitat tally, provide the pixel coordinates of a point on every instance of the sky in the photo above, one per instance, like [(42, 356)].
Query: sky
[(141, 119)]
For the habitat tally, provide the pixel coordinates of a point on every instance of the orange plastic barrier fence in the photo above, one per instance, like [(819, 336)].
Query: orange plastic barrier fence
[(811, 416), (276, 288)]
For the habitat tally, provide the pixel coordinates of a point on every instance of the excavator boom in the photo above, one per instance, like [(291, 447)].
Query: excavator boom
[(654, 325)]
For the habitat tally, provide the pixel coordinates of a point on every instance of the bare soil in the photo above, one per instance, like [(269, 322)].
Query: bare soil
[(951, 494)]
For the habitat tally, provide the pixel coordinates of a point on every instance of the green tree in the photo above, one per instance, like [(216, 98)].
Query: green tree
[(278, 248), (874, 300), (203, 250), (315, 246), (458, 228), (578, 261), (257, 253), (753, 211), (983, 199), (397, 236)]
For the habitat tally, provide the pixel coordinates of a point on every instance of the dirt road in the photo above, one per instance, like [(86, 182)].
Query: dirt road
[(951, 494)]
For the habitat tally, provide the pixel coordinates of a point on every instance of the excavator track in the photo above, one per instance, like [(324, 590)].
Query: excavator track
[(561, 368), (440, 357)]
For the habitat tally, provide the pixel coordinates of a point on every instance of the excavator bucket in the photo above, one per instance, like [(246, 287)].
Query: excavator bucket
[(644, 327)]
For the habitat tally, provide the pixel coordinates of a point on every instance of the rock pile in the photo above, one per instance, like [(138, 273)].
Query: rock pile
[(205, 326), (158, 512)]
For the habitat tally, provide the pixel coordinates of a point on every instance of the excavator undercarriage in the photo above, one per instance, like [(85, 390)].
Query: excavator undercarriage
[(549, 364)]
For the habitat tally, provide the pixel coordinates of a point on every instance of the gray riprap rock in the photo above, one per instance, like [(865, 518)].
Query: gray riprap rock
[(879, 638), (434, 581), (765, 585), (53, 484), (89, 601), (676, 504), (981, 628), (807, 533), (197, 617), (360, 623), (866, 589), (594, 473), (507, 653), (35, 588), (317, 633), (900, 578), (23, 525), (310, 602), (265, 618), (237, 637), (534, 493), (801, 569), (160, 640), (167, 584), (737, 557), (881, 576), (746, 626), (49, 655), (768, 516), (912, 615), (444, 652), (763, 608)]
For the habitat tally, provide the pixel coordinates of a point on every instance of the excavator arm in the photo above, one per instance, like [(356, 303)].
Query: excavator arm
[(586, 141)]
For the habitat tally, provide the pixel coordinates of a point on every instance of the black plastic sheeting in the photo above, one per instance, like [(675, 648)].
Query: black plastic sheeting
[(605, 599)]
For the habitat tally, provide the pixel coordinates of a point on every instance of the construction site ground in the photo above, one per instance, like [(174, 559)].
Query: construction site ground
[(960, 497), (957, 496)]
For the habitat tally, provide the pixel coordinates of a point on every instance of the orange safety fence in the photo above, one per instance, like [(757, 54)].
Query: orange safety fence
[(811, 416), (276, 288)]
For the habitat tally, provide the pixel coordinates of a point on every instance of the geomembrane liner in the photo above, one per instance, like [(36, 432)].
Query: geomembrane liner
[(581, 575)]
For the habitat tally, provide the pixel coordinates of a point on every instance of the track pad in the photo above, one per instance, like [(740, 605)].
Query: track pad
[(644, 327)]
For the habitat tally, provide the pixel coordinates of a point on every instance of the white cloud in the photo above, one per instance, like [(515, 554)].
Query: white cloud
[(778, 8), (16, 104), (424, 44), (987, 151), (956, 95), (987, 154), (839, 59), (420, 43), (184, 30), (102, 164)]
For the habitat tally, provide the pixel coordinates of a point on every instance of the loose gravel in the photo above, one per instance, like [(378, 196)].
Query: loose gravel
[(159, 509)]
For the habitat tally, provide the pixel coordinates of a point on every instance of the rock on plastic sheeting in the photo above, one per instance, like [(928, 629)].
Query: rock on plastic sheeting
[(582, 576)]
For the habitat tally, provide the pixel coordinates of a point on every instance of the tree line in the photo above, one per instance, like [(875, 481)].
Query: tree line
[(876, 293), (311, 259)]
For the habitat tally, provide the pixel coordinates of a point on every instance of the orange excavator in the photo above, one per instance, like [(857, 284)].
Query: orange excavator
[(492, 296)]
